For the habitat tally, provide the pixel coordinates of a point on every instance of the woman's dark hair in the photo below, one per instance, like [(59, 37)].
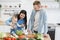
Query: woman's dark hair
[(24, 12)]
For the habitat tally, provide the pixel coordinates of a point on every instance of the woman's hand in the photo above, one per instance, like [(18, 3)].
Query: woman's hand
[(22, 25)]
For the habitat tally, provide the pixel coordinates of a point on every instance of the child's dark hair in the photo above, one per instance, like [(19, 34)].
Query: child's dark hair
[(24, 12)]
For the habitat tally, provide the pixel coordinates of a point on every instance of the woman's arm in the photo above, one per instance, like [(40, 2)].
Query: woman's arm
[(22, 25)]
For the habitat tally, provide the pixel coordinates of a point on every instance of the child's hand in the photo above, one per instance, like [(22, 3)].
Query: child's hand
[(12, 25)]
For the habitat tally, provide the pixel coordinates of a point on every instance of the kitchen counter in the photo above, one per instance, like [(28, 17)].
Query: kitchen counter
[(5, 28)]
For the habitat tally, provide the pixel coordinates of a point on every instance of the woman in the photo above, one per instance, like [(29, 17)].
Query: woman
[(22, 19)]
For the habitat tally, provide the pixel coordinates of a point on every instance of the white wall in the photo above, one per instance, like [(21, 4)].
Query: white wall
[(52, 14)]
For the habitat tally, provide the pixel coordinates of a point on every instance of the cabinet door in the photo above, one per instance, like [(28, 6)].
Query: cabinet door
[(57, 33)]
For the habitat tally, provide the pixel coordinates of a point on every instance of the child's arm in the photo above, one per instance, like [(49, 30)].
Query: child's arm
[(8, 22)]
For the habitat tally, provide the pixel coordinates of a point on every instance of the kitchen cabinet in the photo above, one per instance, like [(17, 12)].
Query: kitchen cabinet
[(51, 30), (52, 34), (57, 33)]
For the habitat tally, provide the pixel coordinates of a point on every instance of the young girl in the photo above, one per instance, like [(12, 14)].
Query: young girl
[(13, 23)]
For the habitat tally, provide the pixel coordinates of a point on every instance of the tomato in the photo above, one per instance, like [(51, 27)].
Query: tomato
[(13, 38), (6, 38)]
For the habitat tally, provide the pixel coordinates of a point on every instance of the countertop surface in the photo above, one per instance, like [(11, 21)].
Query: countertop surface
[(5, 28)]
